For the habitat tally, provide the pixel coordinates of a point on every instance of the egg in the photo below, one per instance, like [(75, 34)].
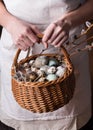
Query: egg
[(44, 68), (60, 71), (41, 61), (60, 58), (26, 65), (31, 62), (19, 74), (21, 79), (15, 77), (53, 62), (28, 70), (41, 73), (51, 77), (64, 65), (34, 69), (42, 79), (31, 77), (51, 70)]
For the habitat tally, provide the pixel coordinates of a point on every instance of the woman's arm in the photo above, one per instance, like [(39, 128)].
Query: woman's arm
[(23, 34), (58, 32), (4, 15), (81, 15)]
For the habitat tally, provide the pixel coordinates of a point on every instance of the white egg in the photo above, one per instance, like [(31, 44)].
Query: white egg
[(31, 62), (60, 71)]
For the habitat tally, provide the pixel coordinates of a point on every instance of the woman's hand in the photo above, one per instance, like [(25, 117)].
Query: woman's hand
[(56, 33), (23, 34)]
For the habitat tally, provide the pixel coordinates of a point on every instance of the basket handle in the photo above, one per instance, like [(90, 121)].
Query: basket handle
[(64, 51), (17, 55)]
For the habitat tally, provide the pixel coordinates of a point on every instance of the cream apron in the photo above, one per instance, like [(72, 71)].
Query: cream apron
[(78, 111)]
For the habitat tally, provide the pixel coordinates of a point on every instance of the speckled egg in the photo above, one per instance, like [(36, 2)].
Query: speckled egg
[(31, 77), (34, 69), (26, 65), (41, 73), (42, 79), (51, 70), (19, 74), (28, 70), (41, 61)]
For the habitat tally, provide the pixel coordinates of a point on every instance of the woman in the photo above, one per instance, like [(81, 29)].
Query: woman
[(58, 20)]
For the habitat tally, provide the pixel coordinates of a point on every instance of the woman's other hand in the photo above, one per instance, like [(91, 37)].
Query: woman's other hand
[(57, 33)]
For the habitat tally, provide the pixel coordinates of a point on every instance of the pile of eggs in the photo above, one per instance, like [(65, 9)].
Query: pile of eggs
[(43, 68)]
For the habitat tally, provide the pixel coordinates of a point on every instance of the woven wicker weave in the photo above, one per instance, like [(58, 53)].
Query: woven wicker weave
[(43, 96)]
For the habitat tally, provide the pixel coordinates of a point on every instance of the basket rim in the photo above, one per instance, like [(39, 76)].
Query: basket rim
[(44, 83), (69, 70)]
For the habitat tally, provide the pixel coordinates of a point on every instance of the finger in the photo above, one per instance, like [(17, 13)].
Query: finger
[(21, 47), (35, 29), (45, 44), (59, 37), (61, 42), (22, 44), (30, 34), (48, 32), (55, 34), (27, 41)]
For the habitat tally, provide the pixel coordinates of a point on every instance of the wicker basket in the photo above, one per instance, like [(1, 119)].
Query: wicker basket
[(44, 96)]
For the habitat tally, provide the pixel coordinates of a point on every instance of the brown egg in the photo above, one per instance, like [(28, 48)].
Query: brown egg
[(33, 76), (26, 65)]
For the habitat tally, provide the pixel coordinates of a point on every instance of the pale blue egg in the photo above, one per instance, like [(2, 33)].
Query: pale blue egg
[(53, 62), (51, 77)]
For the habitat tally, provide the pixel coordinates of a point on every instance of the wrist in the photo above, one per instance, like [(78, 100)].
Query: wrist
[(67, 21), (74, 19), (64, 21)]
